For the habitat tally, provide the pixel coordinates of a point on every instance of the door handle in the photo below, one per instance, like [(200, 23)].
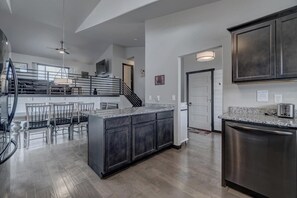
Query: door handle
[(190, 104), (248, 128), (2, 160), (15, 98)]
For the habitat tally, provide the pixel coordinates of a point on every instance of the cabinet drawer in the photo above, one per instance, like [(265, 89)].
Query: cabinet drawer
[(117, 122), (143, 118), (166, 114)]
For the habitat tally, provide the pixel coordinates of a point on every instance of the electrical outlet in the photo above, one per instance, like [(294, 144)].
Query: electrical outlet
[(173, 97), (158, 98)]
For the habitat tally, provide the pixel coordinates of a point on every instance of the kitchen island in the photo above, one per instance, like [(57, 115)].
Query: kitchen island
[(259, 152), (119, 137)]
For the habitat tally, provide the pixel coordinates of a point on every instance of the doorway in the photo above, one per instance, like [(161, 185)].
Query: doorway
[(200, 97), (127, 75)]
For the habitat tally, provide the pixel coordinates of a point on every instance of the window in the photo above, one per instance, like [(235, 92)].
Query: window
[(50, 72), (21, 67)]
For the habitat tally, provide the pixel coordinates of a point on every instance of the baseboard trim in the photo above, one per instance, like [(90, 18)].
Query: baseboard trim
[(177, 147)]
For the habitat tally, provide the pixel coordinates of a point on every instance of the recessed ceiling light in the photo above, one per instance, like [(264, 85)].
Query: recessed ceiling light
[(6, 42), (136, 39)]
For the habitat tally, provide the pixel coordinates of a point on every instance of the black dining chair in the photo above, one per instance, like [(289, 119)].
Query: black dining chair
[(62, 117), (82, 119), (38, 119)]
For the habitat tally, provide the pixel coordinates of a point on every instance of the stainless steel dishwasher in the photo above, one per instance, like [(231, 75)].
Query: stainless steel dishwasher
[(260, 158)]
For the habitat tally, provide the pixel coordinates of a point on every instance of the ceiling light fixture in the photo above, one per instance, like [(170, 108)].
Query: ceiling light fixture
[(61, 77), (205, 56)]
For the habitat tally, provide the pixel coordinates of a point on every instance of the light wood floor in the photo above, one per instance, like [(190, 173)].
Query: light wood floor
[(61, 171)]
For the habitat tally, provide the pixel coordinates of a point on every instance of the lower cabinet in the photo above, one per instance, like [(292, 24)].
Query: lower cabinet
[(117, 148), (143, 139), (165, 133), (114, 143)]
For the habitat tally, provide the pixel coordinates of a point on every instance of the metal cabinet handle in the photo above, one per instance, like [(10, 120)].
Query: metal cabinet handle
[(275, 132)]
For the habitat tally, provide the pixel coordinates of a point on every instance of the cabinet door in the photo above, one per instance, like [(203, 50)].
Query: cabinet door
[(143, 139), (253, 53), (117, 148), (287, 46), (164, 133)]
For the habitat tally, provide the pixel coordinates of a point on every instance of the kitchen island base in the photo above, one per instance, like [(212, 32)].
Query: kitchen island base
[(115, 143)]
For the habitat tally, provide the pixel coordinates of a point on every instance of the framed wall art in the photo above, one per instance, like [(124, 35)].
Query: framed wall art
[(160, 80)]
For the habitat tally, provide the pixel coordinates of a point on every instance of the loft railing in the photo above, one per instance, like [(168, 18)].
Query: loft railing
[(34, 82), (130, 95)]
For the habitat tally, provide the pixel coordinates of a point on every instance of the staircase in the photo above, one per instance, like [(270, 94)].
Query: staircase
[(130, 95)]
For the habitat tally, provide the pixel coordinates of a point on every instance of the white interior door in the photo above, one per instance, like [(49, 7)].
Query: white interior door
[(200, 108)]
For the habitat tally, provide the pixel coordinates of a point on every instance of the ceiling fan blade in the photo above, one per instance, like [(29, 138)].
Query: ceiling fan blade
[(51, 48), (66, 52)]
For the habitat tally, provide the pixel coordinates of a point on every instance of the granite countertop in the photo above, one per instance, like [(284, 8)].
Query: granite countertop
[(112, 113), (257, 115)]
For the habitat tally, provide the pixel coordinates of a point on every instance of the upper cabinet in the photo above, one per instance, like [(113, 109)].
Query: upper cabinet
[(287, 46), (254, 52), (265, 49)]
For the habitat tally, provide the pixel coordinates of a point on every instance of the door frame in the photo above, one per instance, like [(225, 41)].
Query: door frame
[(212, 93), (132, 74)]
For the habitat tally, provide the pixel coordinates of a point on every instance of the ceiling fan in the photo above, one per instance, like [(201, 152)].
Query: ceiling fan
[(62, 49)]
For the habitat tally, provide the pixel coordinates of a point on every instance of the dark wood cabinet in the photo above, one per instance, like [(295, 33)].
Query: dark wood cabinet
[(266, 48), (254, 52), (143, 139), (165, 133), (287, 46), (117, 148), (116, 142)]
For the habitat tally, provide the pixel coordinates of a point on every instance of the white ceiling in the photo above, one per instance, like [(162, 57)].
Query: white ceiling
[(35, 25)]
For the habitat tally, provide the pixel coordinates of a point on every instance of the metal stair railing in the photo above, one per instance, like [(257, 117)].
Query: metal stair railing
[(130, 95)]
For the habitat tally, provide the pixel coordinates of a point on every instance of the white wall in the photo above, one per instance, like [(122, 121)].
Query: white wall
[(109, 9), (138, 53), (107, 55), (118, 59), (201, 28), (75, 67), (218, 99), (117, 55)]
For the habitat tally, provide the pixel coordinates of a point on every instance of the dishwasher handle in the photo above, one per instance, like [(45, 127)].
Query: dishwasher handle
[(249, 128)]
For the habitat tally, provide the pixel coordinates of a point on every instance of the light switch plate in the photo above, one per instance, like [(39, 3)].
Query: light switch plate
[(278, 98), (150, 98)]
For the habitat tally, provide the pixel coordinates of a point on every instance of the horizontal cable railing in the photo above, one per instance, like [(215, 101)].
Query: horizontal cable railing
[(42, 83)]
